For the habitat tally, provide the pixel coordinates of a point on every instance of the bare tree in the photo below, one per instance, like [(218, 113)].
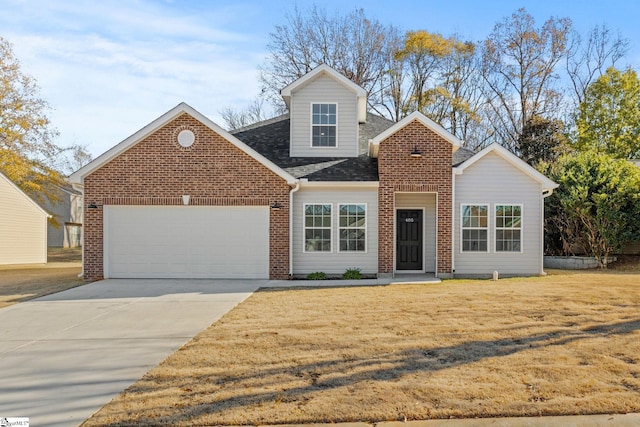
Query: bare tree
[(590, 59), (353, 44), (519, 67), (456, 99), (72, 158), (236, 119), (389, 97)]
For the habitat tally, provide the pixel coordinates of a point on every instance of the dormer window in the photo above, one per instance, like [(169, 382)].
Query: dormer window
[(323, 125)]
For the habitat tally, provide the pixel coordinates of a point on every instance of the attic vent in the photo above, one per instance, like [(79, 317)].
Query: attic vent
[(186, 138)]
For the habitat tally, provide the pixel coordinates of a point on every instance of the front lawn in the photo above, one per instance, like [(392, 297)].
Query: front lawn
[(561, 344)]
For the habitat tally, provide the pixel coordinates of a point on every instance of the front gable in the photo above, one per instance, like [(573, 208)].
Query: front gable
[(492, 180), (177, 140), (510, 162), (325, 110), (182, 163), (159, 165)]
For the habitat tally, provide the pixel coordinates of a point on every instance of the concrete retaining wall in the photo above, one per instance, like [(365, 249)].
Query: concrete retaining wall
[(572, 262)]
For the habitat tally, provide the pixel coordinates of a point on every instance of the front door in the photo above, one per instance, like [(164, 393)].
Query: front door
[(409, 239)]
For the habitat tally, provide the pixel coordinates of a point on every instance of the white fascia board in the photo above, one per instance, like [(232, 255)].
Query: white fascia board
[(23, 194), (182, 108), (427, 122), (339, 184), (507, 155), (323, 69)]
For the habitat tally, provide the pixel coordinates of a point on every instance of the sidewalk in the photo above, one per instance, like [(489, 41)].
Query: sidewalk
[(617, 420)]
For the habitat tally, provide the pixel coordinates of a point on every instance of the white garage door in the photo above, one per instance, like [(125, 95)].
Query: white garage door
[(186, 242)]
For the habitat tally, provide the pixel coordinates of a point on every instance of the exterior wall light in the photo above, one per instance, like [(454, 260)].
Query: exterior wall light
[(415, 153), (92, 206), (276, 206)]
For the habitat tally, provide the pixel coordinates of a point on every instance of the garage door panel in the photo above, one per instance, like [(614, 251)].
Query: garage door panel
[(186, 241)]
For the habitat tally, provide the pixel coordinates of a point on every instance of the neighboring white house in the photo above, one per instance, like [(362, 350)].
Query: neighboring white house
[(23, 227), (67, 212)]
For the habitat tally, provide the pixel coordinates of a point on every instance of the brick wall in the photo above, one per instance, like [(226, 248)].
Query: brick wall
[(401, 173), (158, 171)]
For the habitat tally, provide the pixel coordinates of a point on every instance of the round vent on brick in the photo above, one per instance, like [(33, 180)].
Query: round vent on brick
[(186, 137)]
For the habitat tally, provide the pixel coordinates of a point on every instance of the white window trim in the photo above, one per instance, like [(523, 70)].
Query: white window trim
[(462, 227), (312, 125), (495, 228), (304, 228), (366, 228)]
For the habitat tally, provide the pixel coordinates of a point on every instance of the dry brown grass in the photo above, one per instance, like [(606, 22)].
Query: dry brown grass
[(568, 343), (22, 283)]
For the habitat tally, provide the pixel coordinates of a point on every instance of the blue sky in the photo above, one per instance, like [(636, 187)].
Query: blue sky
[(108, 68)]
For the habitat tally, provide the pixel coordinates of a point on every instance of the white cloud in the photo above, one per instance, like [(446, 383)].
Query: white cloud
[(108, 69)]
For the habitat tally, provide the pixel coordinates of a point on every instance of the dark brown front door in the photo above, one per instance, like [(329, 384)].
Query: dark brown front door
[(409, 240)]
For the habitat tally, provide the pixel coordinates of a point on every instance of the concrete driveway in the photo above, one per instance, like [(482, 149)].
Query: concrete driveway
[(64, 356)]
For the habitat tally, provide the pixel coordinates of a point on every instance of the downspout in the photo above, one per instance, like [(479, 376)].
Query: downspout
[(296, 188), (453, 221), (546, 192)]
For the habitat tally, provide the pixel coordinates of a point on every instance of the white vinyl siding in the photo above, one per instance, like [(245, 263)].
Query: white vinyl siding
[(335, 262), (494, 181), (324, 90), (230, 242), (426, 202), (23, 227)]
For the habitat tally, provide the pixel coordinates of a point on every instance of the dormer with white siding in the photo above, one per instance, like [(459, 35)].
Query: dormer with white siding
[(325, 109)]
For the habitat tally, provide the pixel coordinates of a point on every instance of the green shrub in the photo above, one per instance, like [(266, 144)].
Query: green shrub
[(352, 274), (318, 275)]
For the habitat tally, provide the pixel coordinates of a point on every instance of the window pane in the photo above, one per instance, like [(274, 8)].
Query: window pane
[(317, 228), (474, 240), (352, 227), (508, 225)]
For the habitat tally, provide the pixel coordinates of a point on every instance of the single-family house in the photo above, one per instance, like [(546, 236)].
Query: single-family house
[(66, 232), (327, 187), (23, 227)]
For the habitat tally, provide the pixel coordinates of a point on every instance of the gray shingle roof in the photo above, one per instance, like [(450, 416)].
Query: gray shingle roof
[(271, 139)]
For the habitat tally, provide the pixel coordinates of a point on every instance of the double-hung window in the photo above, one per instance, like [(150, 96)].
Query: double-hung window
[(508, 228), (352, 227), (317, 228), (324, 121), (475, 228)]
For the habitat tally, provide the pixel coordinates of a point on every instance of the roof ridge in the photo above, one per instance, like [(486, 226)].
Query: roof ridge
[(261, 123)]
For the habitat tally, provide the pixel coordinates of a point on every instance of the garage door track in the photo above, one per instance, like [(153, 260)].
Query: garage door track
[(65, 355)]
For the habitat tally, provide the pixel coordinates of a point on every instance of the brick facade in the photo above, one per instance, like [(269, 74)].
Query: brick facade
[(431, 173), (158, 171)]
